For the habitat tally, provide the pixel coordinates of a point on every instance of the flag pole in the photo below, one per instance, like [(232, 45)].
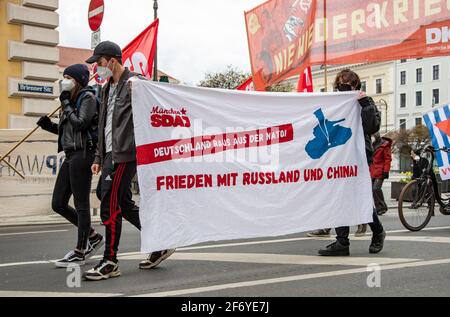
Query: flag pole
[(12, 167), (325, 37), (155, 59)]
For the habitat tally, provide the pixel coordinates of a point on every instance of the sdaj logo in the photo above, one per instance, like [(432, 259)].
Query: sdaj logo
[(169, 118)]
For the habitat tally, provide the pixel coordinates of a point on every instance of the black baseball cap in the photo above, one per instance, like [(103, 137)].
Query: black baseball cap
[(105, 48)]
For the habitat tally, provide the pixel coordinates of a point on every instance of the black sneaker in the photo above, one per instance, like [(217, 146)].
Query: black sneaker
[(155, 258), (103, 271), (335, 249), (93, 245), (321, 233), (377, 242), (73, 257)]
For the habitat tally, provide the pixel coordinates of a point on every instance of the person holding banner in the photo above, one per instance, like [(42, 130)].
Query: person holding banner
[(116, 159), (76, 129), (347, 80)]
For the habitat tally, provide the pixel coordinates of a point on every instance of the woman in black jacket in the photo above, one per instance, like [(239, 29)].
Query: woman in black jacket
[(76, 137)]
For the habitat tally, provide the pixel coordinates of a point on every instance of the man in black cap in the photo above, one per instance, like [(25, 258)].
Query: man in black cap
[(116, 159)]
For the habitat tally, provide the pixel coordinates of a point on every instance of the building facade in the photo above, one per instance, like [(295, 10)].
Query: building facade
[(28, 60), (422, 84)]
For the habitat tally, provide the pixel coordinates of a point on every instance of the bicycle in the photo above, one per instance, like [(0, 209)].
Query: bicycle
[(417, 199)]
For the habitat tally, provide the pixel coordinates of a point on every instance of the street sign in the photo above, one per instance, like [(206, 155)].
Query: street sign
[(95, 14), (95, 39)]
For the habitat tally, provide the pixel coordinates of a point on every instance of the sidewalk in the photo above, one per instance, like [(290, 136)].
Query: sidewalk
[(28, 202)]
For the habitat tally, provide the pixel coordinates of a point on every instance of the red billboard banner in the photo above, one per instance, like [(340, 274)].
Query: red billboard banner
[(279, 33), (359, 31)]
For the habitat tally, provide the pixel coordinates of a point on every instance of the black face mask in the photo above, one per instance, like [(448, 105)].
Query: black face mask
[(345, 87)]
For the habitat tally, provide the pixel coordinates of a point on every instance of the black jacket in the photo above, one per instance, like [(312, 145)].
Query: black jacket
[(74, 126), (371, 120), (123, 145)]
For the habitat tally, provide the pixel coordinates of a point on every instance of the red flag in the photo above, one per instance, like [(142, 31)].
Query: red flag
[(247, 85), (139, 54), (305, 83)]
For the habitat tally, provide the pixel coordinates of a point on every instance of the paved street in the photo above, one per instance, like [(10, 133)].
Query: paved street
[(412, 264)]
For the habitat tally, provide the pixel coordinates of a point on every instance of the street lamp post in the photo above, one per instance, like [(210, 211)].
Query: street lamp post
[(155, 62)]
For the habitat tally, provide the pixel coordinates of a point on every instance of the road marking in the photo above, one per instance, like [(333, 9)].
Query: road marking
[(24, 263), (213, 246), (54, 294), (270, 258), (412, 239), (286, 279), (30, 232)]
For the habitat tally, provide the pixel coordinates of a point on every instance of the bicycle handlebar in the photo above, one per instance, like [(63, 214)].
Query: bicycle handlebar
[(444, 149)]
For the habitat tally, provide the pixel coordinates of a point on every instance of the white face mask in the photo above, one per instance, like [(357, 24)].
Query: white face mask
[(67, 85), (104, 72)]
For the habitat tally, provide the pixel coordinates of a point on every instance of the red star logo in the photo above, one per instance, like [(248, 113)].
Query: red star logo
[(183, 111), (444, 126)]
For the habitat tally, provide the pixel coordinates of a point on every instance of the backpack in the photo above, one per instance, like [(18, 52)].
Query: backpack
[(93, 130)]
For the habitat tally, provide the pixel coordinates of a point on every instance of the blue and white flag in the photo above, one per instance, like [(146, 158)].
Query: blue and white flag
[(438, 123)]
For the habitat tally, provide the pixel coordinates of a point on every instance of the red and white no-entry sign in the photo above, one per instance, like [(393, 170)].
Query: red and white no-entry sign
[(95, 14)]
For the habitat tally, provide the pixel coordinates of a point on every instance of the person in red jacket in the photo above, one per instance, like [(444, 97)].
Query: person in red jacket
[(379, 170)]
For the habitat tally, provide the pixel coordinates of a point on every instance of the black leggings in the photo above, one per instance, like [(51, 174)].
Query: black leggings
[(75, 178)]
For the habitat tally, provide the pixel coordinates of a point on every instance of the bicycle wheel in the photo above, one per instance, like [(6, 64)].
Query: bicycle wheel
[(416, 205)]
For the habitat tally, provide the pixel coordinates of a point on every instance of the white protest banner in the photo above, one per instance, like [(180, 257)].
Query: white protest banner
[(225, 164)]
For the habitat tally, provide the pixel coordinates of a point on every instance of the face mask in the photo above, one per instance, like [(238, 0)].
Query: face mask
[(345, 87), (67, 85), (104, 72)]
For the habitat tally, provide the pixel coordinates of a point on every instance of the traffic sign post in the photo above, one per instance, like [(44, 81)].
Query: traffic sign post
[(95, 14), (95, 18), (95, 39)]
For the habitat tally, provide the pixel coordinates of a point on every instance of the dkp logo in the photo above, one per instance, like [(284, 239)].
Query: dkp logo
[(436, 35)]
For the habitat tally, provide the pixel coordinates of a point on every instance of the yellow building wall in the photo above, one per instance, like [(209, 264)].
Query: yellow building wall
[(8, 69)]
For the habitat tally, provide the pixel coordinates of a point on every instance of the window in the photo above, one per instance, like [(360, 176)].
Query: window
[(379, 86), (402, 124), (364, 86), (403, 78), (435, 100), (322, 89), (418, 98), (403, 61), (418, 121), (436, 72), (418, 75), (402, 100)]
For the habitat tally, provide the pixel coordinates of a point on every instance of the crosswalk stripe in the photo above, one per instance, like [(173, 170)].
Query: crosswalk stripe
[(260, 242), (270, 258), (286, 279), (54, 294), (30, 232)]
